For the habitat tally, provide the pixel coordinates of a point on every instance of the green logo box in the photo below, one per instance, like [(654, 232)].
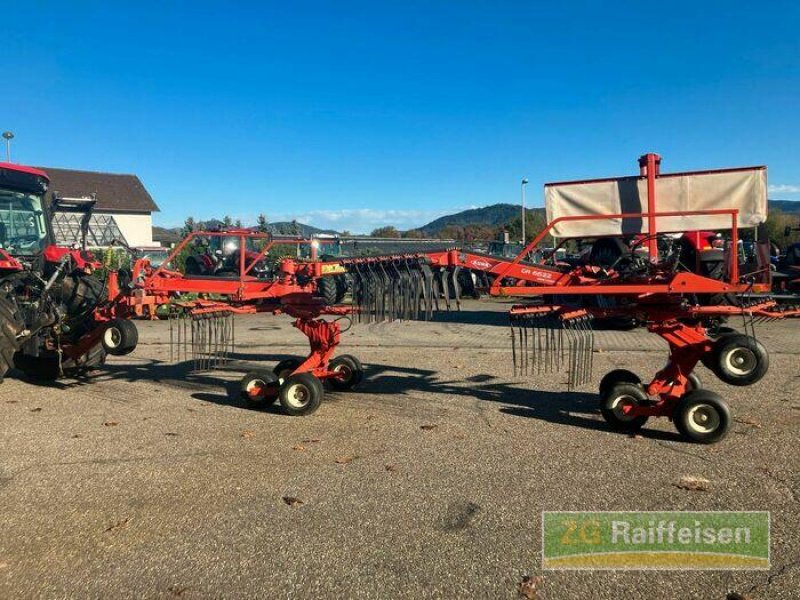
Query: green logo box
[(656, 540)]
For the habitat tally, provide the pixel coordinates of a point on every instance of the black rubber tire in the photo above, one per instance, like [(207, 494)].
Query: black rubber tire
[(11, 324), (327, 290), (738, 359), (301, 394), (623, 391), (38, 368), (45, 367), (353, 369), (607, 252), (262, 379), (341, 288), (616, 376), (81, 293), (120, 337), (91, 361), (289, 364), (192, 266), (702, 416), (693, 383)]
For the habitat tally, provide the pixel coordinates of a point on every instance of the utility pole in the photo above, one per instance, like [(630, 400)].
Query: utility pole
[(522, 188), (8, 137)]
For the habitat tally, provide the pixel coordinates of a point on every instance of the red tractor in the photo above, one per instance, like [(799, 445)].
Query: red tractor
[(56, 316)]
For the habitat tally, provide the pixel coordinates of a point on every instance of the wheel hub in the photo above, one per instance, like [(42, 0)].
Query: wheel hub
[(741, 361), (703, 418), (619, 405), (298, 395)]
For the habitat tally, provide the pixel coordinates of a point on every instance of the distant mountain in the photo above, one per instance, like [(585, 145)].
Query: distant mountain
[(503, 214), (787, 206), (289, 228), (494, 215)]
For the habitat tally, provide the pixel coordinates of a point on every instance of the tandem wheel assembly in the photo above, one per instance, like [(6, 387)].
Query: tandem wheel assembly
[(299, 394)]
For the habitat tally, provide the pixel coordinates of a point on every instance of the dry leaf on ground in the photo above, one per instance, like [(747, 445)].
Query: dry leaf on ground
[(344, 460), (693, 484), (748, 421), (299, 448), (391, 468), (248, 433), (110, 423), (177, 590), (119, 524), (292, 501), (37, 409), (529, 585), (428, 427)]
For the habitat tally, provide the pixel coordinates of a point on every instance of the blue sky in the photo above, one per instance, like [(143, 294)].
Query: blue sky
[(356, 114)]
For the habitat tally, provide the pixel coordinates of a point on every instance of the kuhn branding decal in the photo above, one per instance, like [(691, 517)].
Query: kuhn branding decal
[(482, 263)]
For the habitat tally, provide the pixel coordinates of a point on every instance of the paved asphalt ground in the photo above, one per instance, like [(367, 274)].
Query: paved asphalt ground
[(151, 481)]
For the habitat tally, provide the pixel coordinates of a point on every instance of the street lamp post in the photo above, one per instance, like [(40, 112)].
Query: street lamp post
[(522, 189), (8, 137)]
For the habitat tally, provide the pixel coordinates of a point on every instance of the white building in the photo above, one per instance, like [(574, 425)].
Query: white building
[(123, 210)]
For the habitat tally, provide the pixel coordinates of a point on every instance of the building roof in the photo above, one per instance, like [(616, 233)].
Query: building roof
[(115, 191)]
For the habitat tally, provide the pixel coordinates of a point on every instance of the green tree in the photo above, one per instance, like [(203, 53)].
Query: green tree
[(535, 222), (386, 232), (262, 223), (451, 232), (238, 224), (227, 221), (189, 225), (413, 234)]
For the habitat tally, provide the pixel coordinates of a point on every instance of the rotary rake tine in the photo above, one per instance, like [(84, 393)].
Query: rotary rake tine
[(544, 341), (397, 288), (444, 275), (456, 286), (207, 335), (427, 290)]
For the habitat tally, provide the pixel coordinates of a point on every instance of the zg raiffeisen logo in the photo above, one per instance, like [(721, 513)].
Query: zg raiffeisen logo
[(655, 540)]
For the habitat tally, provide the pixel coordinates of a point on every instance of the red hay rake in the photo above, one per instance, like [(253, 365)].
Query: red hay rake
[(671, 299), (651, 282)]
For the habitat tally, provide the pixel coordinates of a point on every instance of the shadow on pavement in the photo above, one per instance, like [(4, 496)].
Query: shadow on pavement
[(574, 408), (565, 408)]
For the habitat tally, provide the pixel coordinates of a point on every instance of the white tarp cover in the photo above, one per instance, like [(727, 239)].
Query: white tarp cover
[(742, 189)]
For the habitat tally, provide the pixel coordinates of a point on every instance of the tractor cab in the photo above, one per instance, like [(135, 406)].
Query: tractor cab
[(26, 232), (24, 220)]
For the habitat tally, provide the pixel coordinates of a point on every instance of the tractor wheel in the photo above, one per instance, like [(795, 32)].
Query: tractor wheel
[(615, 398), (341, 287), (301, 394), (81, 293), (607, 252), (92, 360), (38, 368), (326, 289), (120, 337), (616, 376), (255, 388), (350, 371), (702, 416), (738, 359), (46, 368), (11, 324), (285, 368)]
